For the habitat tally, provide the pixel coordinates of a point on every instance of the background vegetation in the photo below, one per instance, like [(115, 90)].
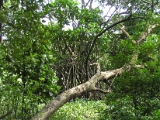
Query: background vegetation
[(47, 48)]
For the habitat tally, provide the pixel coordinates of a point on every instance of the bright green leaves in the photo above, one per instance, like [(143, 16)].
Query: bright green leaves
[(27, 61), (83, 109), (64, 11), (67, 11), (89, 16)]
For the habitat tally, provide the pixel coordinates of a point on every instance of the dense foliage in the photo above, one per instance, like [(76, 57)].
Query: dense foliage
[(48, 47), (80, 109)]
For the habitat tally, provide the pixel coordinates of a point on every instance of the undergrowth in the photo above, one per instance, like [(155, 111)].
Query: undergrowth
[(80, 109)]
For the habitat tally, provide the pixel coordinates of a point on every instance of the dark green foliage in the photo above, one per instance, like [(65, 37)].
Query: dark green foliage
[(135, 95), (37, 56), (27, 78), (121, 53)]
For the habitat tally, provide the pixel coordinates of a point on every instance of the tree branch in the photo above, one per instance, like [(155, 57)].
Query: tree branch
[(127, 34), (97, 36), (64, 97)]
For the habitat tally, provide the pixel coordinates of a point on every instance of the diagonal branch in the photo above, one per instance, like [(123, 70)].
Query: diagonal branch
[(64, 97)]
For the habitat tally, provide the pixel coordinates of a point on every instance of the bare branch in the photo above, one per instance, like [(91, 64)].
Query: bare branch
[(109, 16), (83, 3), (87, 2), (90, 6)]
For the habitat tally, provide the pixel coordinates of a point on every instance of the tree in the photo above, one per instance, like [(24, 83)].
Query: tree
[(90, 85), (36, 53), (26, 60)]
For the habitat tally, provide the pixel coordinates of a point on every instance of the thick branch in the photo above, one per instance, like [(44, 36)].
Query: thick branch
[(64, 97), (90, 85)]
